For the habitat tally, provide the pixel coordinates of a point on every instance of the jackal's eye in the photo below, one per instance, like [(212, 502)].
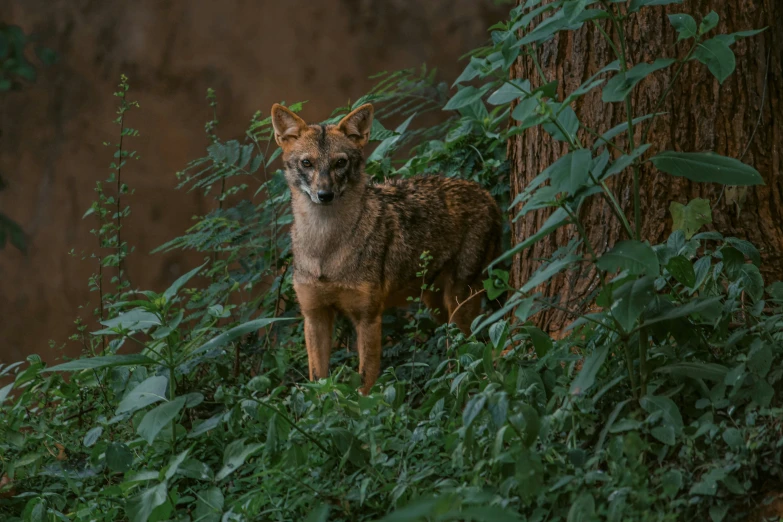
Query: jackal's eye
[(342, 162), (306, 163)]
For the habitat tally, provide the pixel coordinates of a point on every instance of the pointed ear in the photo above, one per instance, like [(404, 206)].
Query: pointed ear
[(288, 126), (357, 124)]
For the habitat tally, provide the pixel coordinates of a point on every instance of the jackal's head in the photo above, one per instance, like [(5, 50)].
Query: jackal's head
[(324, 162)]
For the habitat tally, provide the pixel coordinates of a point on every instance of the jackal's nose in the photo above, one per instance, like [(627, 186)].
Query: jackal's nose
[(325, 196)]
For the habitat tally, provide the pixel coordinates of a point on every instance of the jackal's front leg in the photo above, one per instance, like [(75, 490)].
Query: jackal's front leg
[(368, 332), (318, 326)]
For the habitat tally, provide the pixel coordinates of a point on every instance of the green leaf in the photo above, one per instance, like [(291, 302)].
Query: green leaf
[(119, 457), (706, 371), (718, 512), (636, 257), (670, 414), (752, 281), (234, 456), (209, 507), (622, 128), (158, 417), (692, 307), (583, 509), (707, 167), (684, 24), (566, 121), (682, 270), (558, 218), (237, 331), (664, 434), (388, 143), (509, 91), (709, 22), (717, 56), (195, 469), (733, 438), (762, 393), (148, 392), (620, 85), (180, 282), (571, 172), (630, 300), (473, 408), (548, 271), (586, 377), (92, 436), (133, 320), (466, 96), (691, 217), (5, 391), (107, 361), (638, 4), (140, 507)]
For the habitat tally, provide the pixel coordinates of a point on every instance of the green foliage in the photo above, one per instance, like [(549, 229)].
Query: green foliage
[(191, 403)]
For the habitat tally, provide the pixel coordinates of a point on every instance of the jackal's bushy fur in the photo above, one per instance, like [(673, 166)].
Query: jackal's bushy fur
[(357, 245)]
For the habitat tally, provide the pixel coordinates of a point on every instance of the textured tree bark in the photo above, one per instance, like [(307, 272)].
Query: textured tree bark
[(743, 118)]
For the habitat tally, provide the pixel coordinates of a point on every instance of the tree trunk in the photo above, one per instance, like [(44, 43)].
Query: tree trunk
[(743, 118)]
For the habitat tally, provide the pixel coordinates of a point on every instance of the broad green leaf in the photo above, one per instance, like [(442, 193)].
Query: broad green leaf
[(466, 96), (150, 391), (570, 172), (566, 121), (638, 4), (237, 331), (670, 414), (733, 437), (583, 509), (92, 436), (709, 22), (630, 300), (762, 393), (209, 507), (195, 469), (696, 370), (413, 511), (542, 342), (620, 85), (234, 456), (747, 248), (719, 512), (140, 507), (690, 308), (691, 217), (671, 482), (707, 167), (717, 56), (684, 24), (473, 408), (558, 218), (107, 361), (548, 271), (586, 377), (636, 257), (159, 417), (133, 320), (682, 270), (708, 485), (5, 391), (119, 457), (180, 282), (510, 91), (664, 434), (488, 514), (752, 281)]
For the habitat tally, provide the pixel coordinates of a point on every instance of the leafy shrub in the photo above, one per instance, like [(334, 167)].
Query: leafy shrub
[(663, 404)]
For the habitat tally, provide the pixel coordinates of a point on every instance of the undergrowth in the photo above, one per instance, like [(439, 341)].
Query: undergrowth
[(191, 402)]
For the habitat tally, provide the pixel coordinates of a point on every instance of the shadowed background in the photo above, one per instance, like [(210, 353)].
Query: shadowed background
[(252, 52)]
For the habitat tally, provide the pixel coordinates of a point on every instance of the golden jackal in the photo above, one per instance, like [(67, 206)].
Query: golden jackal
[(357, 245)]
